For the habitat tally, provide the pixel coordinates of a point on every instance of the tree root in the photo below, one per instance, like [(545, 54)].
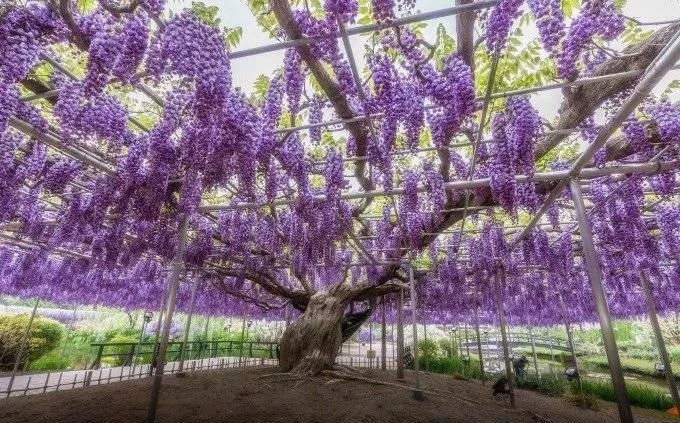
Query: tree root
[(435, 392)]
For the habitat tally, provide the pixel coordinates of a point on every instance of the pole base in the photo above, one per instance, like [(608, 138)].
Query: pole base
[(417, 395)]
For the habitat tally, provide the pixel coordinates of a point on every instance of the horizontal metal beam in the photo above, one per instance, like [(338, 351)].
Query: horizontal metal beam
[(363, 29), (588, 173), (56, 143)]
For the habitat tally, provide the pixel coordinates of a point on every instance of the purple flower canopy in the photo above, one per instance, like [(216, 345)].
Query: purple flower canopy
[(93, 214)]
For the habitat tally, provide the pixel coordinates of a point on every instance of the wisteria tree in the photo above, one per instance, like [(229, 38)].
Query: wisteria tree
[(121, 126)]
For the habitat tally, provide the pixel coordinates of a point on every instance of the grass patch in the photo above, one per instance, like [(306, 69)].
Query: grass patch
[(451, 366), (630, 365), (639, 395), (546, 385)]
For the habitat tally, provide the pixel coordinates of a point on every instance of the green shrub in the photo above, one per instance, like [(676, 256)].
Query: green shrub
[(51, 361), (547, 386), (445, 347), (121, 351), (427, 348), (631, 365), (44, 336), (639, 395), (120, 333), (451, 366), (674, 353)]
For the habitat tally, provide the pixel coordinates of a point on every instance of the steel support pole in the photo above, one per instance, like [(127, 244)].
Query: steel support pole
[(161, 309), (243, 339), (22, 347), (533, 351), (400, 336), (479, 346), (177, 264), (370, 342), (383, 338), (467, 339), (500, 282), (663, 353), (595, 277), (139, 343), (570, 336), (183, 346), (417, 392)]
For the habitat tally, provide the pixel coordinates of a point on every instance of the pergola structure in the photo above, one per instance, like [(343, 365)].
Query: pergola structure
[(641, 67)]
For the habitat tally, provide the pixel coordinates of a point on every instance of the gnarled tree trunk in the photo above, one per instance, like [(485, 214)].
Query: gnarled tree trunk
[(311, 344)]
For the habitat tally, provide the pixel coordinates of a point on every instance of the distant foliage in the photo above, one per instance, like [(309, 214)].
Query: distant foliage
[(44, 337)]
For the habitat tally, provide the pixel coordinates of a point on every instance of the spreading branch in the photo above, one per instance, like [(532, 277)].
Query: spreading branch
[(358, 129)]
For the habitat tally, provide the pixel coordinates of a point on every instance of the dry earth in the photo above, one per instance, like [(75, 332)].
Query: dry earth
[(249, 395)]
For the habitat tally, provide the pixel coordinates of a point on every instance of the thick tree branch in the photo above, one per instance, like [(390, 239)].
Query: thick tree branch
[(584, 100), (77, 36), (366, 292), (118, 9), (358, 129), (465, 27), (298, 298)]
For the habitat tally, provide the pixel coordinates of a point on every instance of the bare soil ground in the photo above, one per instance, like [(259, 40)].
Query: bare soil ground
[(248, 395)]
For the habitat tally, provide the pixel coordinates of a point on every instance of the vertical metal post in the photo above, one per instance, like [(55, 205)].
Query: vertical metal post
[(188, 325), (22, 347), (467, 339), (400, 336), (417, 392), (459, 337), (370, 343), (595, 277), (139, 343), (243, 339), (479, 346), (533, 351), (383, 338), (663, 354), (570, 337), (500, 282), (177, 264), (161, 309)]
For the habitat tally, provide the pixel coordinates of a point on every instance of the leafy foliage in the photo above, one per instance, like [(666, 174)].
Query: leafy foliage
[(44, 336)]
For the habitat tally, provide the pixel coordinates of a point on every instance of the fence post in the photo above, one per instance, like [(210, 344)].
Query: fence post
[(383, 338)]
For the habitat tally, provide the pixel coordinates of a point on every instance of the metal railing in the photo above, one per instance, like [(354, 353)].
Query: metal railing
[(131, 353)]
